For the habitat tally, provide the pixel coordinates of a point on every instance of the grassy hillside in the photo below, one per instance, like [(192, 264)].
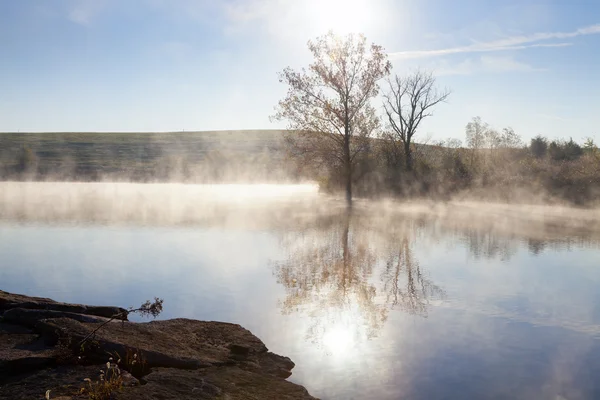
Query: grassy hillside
[(182, 156)]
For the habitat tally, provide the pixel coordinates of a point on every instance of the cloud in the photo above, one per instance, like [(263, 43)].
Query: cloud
[(478, 48), (485, 64), (82, 11), (509, 43)]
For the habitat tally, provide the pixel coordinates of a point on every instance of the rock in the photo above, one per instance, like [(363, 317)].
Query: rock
[(13, 329), (276, 365), (223, 382), (10, 300), (239, 350), (61, 381), (177, 359), (128, 379), (29, 318), (21, 350), (176, 343)]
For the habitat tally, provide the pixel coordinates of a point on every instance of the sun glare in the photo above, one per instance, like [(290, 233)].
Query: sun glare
[(341, 16), (338, 341)]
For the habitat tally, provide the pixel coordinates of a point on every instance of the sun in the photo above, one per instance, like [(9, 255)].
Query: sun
[(341, 16)]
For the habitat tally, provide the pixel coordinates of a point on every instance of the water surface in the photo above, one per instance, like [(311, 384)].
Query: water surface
[(415, 301)]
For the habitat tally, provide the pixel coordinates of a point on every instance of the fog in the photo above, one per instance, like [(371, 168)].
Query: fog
[(146, 203), (269, 205)]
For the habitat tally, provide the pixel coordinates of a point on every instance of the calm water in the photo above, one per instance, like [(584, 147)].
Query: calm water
[(418, 301)]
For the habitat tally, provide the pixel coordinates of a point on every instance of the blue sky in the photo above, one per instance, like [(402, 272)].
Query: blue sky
[(164, 65)]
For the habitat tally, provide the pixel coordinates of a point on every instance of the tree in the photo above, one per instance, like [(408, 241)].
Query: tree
[(328, 106), (492, 139), (453, 143), (410, 100), (509, 139), (572, 150), (555, 149), (564, 151), (590, 146), (477, 133), (501, 143), (539, 146)]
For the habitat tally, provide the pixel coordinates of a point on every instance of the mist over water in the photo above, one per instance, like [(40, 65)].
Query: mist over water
[(394, 300), (143, 203)]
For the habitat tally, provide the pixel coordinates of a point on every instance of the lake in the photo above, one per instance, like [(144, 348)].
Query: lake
[(419, 300)]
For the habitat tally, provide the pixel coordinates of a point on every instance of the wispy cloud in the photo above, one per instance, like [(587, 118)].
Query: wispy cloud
[(476, 48), (485, 64), (509, 43)]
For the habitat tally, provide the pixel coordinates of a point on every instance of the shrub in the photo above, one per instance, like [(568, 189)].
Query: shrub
[(539, 146), (555, 151), (572, 150), (565, 151), (109, 382), (590, 147)]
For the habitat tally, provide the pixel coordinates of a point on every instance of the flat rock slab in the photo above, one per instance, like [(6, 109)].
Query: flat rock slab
[(177, 343), (29, 317), (11, 300), (61, 381), (22, 350), (230, 383), (13, 329)]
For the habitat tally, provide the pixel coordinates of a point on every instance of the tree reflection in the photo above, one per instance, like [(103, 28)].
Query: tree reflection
[(404, 283), (489, 245), (536, 246), (343, 274)]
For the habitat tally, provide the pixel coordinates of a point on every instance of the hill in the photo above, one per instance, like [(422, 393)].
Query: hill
[(142, 156)]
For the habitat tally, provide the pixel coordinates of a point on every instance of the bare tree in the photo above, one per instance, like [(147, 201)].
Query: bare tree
[(510, 139), (410, 100), (480, 135), (477, 133), (328, 106)]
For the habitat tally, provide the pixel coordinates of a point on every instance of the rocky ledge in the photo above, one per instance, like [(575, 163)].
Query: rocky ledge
[(41, 349)]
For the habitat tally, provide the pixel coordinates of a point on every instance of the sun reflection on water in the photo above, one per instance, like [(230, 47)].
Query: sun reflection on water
[(338, 341)]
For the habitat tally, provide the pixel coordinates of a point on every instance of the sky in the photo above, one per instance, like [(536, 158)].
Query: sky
[(171, 65)]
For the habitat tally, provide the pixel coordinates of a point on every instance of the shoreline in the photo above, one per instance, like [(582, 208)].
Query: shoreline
[(51, 346)]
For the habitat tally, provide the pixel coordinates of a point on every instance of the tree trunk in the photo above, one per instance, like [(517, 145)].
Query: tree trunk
[(349, 190), (348, 175), (346, 251), (348, 170), (408, 156)]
